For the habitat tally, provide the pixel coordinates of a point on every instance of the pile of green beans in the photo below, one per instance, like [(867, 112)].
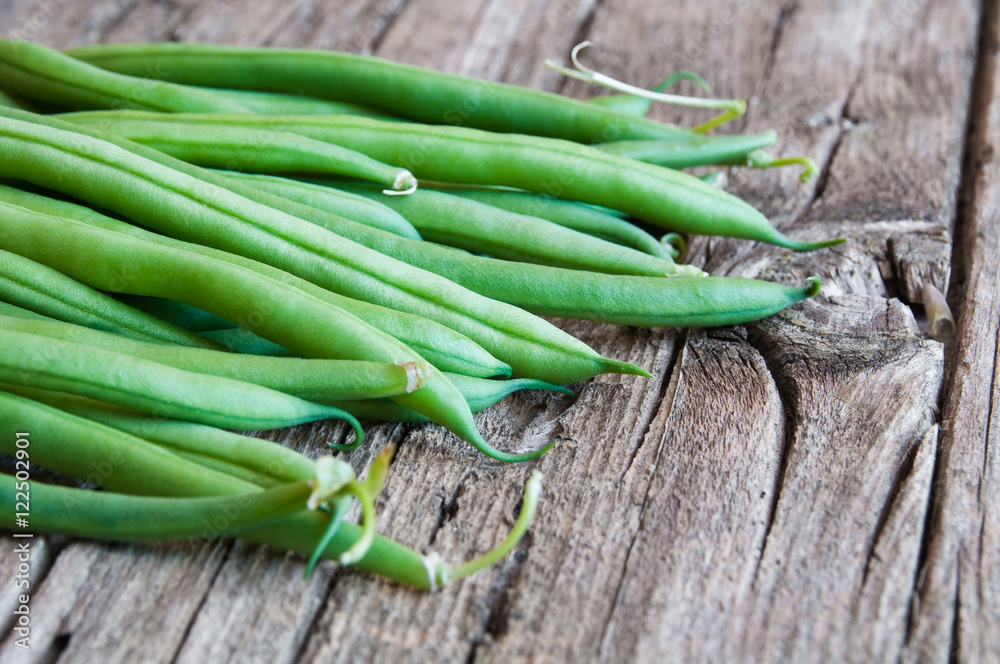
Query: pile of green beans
[(294, 285)]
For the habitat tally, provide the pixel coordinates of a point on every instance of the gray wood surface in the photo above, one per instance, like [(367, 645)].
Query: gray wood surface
[(819, 486)]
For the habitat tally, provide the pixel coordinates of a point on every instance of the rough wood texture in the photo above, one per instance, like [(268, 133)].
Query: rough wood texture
[(819, 486)]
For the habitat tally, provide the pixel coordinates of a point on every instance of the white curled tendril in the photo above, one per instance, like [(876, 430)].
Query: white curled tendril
[(404, 184), (734, 106)]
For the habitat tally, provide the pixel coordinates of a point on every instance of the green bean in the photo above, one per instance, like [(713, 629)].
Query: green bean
[(252, 459), (97, 171), (46, 75), (47, 291), (480, 228), (145, 268), (175, 313), (441, 346), (401, 90), (696, 150), (578, 216), (360, 209), (126, 464), (151, 387), (14, 311), (312, 379), (276, 103), (265, 151), (246, 342), (479, 393), (120, 517), (660, 196)]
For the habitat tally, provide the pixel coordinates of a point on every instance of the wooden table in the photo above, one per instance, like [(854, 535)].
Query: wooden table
[(820, 486)]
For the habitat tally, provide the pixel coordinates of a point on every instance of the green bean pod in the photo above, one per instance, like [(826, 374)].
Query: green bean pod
[(698, 150), (479, 393), (47, 291), (482, 229), (252, 459), (43, 74), (660, 196), (358, 208), (146, 268), (397, 89), (120, 517), (151, 387), (311, 379), (126, 464), (441, 346), (39, 150), (276, 103), (265, 151), (578, 216)]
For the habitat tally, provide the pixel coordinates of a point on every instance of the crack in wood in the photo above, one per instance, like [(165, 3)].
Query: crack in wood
[(448, 508), (193, 616), (384, 23), (905, 471)]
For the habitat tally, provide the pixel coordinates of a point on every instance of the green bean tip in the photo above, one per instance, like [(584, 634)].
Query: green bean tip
[(815, 283)]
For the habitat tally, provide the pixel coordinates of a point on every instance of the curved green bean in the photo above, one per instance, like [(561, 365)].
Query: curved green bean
[(696, 150), (398, 89), (660, 196), (175, 313), (355, 207), (47, 291)]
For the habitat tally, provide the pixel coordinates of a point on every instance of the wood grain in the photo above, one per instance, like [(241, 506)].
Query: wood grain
[(793, 490)]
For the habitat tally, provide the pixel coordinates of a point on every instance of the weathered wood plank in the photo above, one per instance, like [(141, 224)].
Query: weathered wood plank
[(958, 593)]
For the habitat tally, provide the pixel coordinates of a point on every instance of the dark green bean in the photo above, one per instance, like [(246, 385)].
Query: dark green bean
[(47, 291), (360, 209), (276, 103), (38, 149), (401, 90), (578, 216), (660, 196), (441, 346), (175, 313), (482, 229)]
